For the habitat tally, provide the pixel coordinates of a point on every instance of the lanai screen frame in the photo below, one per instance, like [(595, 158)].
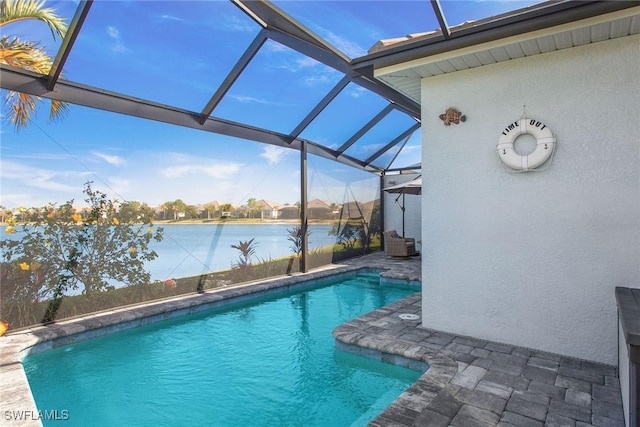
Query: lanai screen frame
[(278, 26)]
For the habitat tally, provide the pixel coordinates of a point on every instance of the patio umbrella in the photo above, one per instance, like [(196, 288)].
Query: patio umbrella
[(409, 187)]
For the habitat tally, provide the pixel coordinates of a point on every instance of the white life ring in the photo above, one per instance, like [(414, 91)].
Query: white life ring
[(545, 143)]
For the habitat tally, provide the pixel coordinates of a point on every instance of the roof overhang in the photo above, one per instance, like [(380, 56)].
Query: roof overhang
[(552, 26)]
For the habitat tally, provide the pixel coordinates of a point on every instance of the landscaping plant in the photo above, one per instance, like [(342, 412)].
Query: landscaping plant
[(62, 249)]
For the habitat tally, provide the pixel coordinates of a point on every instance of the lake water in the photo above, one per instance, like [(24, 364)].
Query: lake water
[(189, 250), (194, 249)]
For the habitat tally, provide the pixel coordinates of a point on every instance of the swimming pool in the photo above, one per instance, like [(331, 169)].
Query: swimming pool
[(268, 361)]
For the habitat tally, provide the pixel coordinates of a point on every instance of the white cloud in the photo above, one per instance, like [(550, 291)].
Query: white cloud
[(117, 45), (249, 99), (274, 154), (219, 170), (298, 64), (349, 48), (317, 79), (236, 24), (44, 179), (118, 187), (357, 91), (274, 46), (307, 62), (171, 18), (113, 160)]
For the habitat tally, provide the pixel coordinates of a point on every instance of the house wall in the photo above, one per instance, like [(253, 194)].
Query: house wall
[(533, 258)]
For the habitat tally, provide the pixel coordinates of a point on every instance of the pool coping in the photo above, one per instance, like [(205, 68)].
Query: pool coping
[(470, 381), (473, 382), (385, 345), (14, 346)]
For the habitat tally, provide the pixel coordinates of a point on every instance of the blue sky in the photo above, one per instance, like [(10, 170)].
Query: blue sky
[(177, 53)]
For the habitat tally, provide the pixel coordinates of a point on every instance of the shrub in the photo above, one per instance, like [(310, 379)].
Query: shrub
[(61, 249)]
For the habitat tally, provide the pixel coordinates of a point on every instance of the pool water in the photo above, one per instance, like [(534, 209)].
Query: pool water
[(270, 361)]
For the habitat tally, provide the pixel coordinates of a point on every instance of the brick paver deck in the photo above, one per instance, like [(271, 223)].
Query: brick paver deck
[(470, 382)]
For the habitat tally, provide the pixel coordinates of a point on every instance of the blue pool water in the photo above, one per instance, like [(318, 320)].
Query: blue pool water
[(267, 362)]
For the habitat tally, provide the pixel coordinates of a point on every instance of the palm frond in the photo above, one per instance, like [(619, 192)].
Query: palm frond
[(21, 106), (30, 56), (58, 110), (17, 10), (24, 54)]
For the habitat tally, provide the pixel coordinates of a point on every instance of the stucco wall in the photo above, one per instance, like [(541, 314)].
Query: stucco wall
[(533, 258)]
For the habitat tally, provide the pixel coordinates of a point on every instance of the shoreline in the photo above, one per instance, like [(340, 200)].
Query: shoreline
[(225, 222)]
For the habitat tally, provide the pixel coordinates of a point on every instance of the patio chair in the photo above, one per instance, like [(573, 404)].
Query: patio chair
[(395, 245)]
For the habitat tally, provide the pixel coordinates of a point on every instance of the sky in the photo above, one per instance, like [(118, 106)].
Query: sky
[(178, 53)]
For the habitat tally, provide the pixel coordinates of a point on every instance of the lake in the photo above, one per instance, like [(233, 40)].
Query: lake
[(195, 249)]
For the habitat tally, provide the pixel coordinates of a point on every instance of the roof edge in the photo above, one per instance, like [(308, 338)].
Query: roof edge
[(523, 21)]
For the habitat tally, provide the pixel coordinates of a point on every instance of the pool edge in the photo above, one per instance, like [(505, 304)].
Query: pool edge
[(14, 346), (432, 384)]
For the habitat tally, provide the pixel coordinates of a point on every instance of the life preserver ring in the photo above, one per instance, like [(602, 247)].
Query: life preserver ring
[(545, 144)]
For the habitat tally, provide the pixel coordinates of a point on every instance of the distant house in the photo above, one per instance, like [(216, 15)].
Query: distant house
[(268, 209), (289, 212), (358, 210), (318, 209)]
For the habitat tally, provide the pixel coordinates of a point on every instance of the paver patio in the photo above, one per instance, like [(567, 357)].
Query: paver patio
[(470, 382), (473, 382)]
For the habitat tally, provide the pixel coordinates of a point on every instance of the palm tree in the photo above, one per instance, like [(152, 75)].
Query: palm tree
[(29, 56)]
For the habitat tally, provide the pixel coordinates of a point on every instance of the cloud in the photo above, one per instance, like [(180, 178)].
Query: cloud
[(113, 160), (117, 45), (274, 154), (272, 46), (349, 48), (236, 24), (214, 170), (357, 91), (317, 79), (45, 179), (118, 186), (307, 62), (249, 99), (299, 64), (171, 18)]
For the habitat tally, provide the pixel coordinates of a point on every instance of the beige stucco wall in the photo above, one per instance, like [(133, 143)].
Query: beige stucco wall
[(533, 258)]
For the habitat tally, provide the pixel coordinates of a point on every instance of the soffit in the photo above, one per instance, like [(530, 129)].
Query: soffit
[(405, 77)]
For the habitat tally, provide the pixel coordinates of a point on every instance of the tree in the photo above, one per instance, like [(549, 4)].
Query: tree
[(175, 207), (179, 207), (166, 206), (225, 210), (136, 212), (63, 250), (210, 208), (29, 56), (252, 206), (192, 211)]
